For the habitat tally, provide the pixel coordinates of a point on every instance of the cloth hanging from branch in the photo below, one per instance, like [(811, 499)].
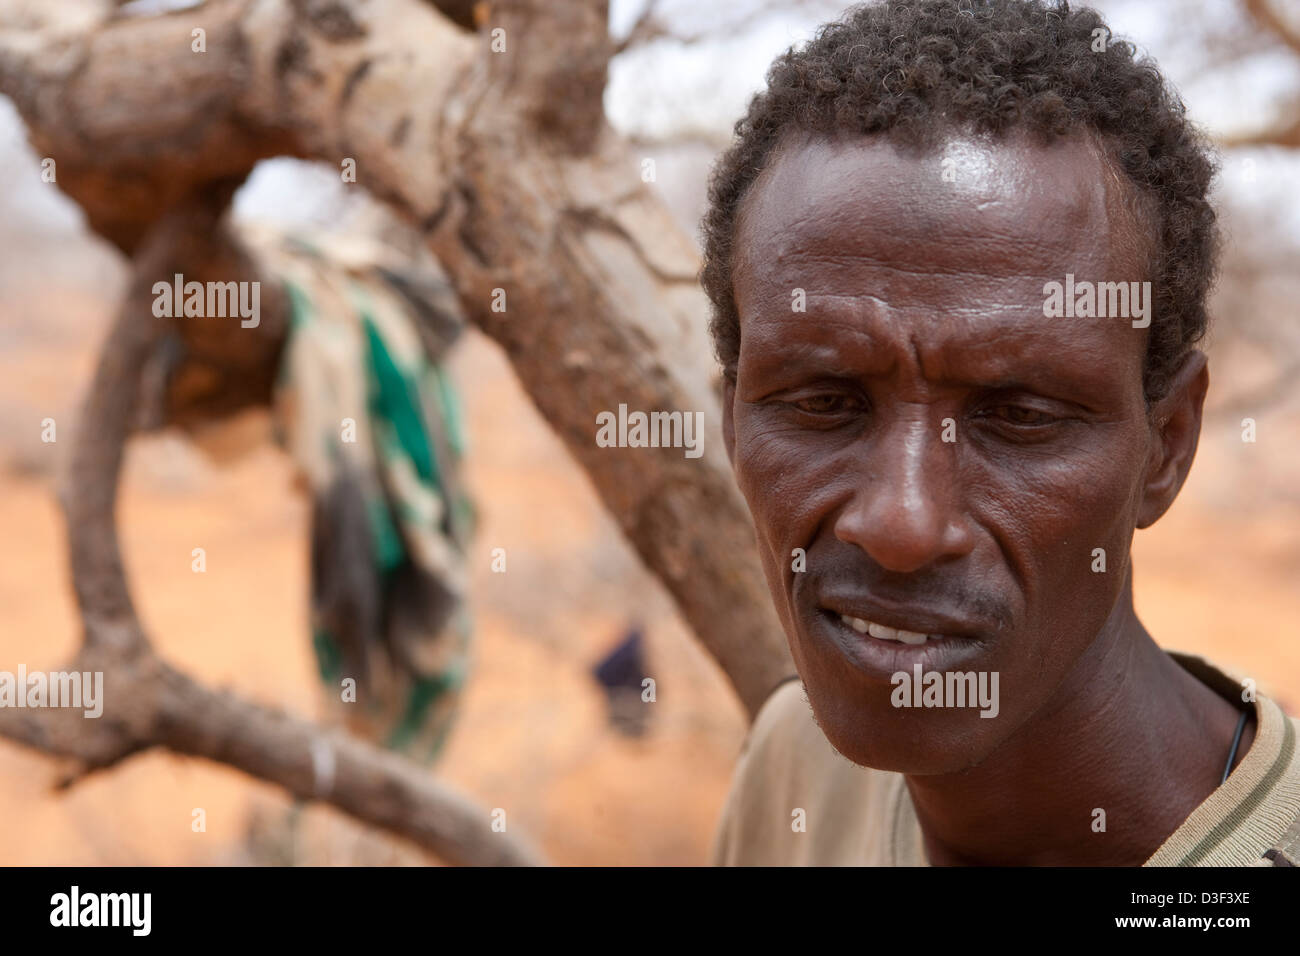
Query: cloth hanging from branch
[(371, 419)]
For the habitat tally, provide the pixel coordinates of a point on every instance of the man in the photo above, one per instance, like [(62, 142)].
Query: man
[(946, 461)]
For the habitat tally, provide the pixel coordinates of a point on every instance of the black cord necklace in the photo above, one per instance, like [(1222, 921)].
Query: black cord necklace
[(1232, 754)]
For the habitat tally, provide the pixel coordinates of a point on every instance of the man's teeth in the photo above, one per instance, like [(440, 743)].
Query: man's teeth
[(886, 633)]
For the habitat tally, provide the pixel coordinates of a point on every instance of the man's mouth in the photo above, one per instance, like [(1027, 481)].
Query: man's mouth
[(915, 624), (886, 633), (880, 639)]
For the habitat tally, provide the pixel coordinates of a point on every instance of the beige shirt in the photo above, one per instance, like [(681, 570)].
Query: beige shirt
[(857, 816)]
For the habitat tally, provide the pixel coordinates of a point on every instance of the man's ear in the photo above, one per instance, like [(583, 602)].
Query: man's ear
[(1175, 428), (728, 422)]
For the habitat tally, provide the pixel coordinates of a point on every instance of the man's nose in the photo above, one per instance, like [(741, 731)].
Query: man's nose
[(908, 510)]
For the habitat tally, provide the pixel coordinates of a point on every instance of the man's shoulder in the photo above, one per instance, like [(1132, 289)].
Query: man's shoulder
[(794, 799), (785, 718), (1257, 809), (785, 735)]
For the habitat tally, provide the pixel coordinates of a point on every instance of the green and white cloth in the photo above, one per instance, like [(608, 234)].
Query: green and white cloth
[(366, 410)]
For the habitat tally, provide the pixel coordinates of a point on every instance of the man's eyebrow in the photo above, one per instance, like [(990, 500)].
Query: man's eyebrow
[(1064, 382), (1052, 386), (920, 267)]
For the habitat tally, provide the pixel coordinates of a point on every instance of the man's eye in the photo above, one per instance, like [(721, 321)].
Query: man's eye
[(1023, 415), (828, 404)]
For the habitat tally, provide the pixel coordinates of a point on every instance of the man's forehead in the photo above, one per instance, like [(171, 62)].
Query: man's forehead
[(971, 205)]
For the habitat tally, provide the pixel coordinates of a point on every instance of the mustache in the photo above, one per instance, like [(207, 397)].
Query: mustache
[(940, 589)]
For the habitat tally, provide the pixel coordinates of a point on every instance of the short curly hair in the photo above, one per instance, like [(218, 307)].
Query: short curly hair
[(916, 69)]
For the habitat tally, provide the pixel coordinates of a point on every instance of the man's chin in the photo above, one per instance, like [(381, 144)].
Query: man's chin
[(921, 743)]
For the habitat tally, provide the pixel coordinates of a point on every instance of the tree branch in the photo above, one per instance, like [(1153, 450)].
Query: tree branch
[(647, 27), (1282, 135), (1272, 21), (150, 704)]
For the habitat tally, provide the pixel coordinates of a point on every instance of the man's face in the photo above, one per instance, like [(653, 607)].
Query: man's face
[(947, 458)]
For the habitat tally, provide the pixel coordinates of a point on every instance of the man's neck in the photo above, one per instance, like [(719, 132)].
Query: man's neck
[(1133, 743)]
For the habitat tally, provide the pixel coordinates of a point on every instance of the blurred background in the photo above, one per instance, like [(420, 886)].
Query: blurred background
[(1219, 575)]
